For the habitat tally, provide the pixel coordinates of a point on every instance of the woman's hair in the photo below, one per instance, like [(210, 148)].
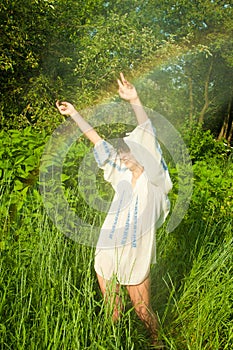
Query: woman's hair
[(122, 146)]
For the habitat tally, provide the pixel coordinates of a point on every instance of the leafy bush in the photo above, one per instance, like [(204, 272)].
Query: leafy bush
[(202, 144), (20, 152), (45, 267)]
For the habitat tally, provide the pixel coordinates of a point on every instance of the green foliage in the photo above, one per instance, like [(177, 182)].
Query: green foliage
[(213, 191), (24, 27), (213, 170), (21, 151), (47, 277), (75, 50), (52, 49), (24, 32), (50, 297), (184, 16), (192, 86), (20, 155), (202, 145), (205, 306)]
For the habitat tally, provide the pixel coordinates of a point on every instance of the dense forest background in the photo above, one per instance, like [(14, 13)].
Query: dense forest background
[(74, 49), (179, 56)]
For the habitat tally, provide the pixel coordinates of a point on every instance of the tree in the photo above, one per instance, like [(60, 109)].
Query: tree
[(74, 49)]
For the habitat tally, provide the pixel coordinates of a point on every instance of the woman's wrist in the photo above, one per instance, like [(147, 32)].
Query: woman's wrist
[(135, 101), (74, 114)]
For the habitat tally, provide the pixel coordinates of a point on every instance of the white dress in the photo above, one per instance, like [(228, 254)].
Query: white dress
[(126, 244)]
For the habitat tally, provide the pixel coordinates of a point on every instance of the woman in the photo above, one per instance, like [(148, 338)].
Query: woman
[(139, 176)]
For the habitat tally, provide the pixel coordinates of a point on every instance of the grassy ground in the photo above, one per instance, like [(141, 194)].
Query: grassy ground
[(50, 298)]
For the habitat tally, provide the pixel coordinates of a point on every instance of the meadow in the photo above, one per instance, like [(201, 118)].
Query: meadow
[(50, 298), (179, 55)]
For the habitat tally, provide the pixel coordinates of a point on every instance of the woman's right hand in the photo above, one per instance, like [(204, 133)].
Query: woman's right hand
[(66, 108)]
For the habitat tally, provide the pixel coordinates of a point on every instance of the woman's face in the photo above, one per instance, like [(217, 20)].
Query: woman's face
[(128, 159)]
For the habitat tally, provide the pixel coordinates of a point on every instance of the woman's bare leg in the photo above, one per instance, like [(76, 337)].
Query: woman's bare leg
[(110, 291), (140, 297)]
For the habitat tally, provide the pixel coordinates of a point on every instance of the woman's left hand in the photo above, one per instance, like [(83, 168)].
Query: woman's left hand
[(126, 90)]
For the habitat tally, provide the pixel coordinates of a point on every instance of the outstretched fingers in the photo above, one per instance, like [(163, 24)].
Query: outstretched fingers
[(123, 83)]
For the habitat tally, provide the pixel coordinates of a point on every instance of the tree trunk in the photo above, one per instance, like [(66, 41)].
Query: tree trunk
[(190, 99), (227, 126), (224, 128), (206, 96), (230, 134)]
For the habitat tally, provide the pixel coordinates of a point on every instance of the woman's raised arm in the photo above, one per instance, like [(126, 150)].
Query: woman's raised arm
[(128, 92), (66, 108)]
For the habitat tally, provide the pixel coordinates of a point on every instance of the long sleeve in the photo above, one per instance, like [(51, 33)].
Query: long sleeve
[(108, 160)]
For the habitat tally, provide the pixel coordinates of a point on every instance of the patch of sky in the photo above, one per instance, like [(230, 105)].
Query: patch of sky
[(93, 32)]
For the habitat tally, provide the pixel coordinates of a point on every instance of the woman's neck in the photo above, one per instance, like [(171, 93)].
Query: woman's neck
[(137, 171)]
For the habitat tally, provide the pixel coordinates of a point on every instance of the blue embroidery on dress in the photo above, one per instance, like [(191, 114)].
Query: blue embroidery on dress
[(96, 155), (102, 152), (157, 145), (134, 238), (116, 166), (104, 157), (126, 230), (164, 164), (116, 217), (106, 148)]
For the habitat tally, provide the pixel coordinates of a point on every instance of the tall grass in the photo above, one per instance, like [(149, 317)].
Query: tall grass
[(49, 294), (201, 309), (50, 298)]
